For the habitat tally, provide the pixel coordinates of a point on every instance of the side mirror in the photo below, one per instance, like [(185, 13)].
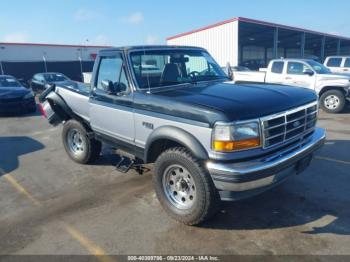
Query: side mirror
[(47, 86), (108, 87), (229, 71), (308, 72), (113, 88)]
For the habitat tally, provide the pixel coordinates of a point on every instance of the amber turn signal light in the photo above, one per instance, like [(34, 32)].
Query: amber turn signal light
[(226, 146)]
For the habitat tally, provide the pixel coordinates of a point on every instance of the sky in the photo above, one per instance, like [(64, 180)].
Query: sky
[(135, 22)]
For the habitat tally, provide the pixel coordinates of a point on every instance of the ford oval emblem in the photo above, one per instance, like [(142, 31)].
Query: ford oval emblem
[(296, 124)]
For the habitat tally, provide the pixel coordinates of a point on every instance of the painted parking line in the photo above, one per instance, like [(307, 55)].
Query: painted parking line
[(93, 249), (21, 189), (333, 160)]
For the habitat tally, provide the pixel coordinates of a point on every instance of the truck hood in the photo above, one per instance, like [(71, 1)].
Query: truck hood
[(13, 92), (242, 101)]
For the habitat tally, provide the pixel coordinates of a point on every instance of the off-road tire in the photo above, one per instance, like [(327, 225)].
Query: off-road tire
[(207, 200), (92, 148), (341, 101)]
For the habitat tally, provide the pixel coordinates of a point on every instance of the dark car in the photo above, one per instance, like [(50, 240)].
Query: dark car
[(39, 81), (14, 97)]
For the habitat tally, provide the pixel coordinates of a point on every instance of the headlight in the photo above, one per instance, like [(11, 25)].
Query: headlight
[(29, 95), (236, 137)]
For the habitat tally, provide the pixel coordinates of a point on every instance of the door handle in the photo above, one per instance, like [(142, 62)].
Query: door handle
[(288, 78)]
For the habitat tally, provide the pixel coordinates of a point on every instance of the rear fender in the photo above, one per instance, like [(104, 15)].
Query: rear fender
[(59, 106)]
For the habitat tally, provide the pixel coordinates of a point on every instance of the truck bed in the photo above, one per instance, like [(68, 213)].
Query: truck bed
[(249, 76)]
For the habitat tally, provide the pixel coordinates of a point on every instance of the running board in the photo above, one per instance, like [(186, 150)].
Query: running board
[(125, 164)]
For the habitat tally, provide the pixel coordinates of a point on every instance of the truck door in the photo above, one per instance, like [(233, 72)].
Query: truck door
[(111, 113), (299, 74)]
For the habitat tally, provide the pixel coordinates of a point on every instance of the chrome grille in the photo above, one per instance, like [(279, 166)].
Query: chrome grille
[(280, 128)]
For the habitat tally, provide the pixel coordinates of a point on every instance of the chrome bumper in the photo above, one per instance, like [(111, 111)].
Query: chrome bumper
[(267, 171)]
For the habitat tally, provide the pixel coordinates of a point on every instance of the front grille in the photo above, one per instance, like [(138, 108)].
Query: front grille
[(280, 128)]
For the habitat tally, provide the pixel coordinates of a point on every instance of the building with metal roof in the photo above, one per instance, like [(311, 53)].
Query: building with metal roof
[(23, 60), (253, 43)]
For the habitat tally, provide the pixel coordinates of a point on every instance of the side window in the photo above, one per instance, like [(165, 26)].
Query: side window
[(295, 68), (112, 69), (347, 62), (277, 67), (334, 62)]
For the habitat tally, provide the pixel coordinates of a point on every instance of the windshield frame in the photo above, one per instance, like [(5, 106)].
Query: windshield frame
[(134, 79), (14, 80)]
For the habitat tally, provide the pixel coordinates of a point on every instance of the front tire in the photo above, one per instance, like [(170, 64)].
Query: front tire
[(184, 187), (332, 101), (79, 147)]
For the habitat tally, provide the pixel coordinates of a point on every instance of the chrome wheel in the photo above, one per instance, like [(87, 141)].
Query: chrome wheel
[(331, 102), (76, 142), (179, 187)]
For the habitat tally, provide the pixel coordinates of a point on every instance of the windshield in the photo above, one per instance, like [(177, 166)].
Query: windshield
[(319, 68), (9, 82), (172, 67), (55, 77)]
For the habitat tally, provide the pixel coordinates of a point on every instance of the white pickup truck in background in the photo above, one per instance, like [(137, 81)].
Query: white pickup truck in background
[(333, 89), (338, 64)]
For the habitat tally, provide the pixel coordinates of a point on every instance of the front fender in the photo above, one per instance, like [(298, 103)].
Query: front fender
[(179, 136)]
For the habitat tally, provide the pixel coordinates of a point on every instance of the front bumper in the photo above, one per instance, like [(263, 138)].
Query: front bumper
[(245, 179)]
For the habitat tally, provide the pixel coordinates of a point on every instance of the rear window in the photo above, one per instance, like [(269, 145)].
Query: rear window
[(334, 62), (277, 67), (347, 62)]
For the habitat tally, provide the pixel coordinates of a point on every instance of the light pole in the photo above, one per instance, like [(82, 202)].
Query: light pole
[(81, 67), (1, 67), (44, 58)]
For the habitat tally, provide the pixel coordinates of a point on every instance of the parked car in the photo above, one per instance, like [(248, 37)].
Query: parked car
[(333, 89), (39, 81), (209, 141), (14, 97), (338, 64)]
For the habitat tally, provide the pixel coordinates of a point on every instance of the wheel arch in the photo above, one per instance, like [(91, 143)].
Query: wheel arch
[(166, 137), (328, 88), (59, 106)]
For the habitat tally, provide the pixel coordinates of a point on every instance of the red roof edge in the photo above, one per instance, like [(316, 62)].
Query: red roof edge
[(254, 21), (204, 28), (53, 45)]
